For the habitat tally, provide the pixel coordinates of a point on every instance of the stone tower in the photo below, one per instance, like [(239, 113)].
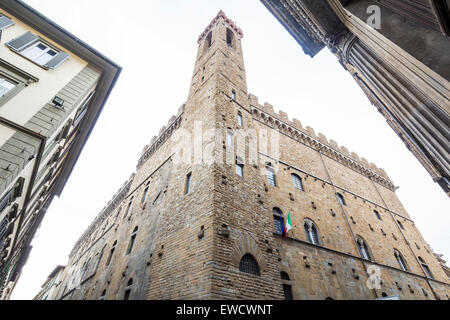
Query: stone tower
[(204, 215)]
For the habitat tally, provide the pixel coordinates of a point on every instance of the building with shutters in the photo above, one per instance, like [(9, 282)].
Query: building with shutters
[(397, 52), (204, 215), (52, 90)]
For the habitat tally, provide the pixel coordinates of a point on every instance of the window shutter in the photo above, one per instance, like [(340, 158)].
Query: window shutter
[(57, 60), (22, 42), (5, 22)]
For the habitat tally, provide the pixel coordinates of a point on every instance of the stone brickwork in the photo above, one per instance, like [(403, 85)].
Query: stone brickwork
[(191, 237)]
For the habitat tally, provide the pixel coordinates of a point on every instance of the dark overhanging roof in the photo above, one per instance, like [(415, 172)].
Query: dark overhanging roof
[(309, 46), (109, 69)]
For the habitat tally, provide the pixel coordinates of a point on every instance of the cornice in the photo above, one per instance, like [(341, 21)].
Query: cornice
[(320, 144)]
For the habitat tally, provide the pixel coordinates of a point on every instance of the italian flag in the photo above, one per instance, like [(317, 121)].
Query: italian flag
[(288, 225)]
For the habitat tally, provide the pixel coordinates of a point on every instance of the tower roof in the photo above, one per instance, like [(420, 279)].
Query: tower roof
[(230, 23)]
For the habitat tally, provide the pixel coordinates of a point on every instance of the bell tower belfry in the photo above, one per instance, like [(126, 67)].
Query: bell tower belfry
[(219, 58)]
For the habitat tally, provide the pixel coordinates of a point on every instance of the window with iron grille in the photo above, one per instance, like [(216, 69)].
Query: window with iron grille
[(297, 181), (287, 289), (249, 265), (271, 177)]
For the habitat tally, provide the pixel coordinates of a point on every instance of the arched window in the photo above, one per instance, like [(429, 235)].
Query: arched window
[(284, 276), (400, 260), (400, 225), (278, 221), (249, 265), (132, 239), (426, 268), (311, 231), (111, 253), (102, 297), (287, 288), (230, 37), (126, 296), (340, 198), (297, 181), (329, 298), (271, 176), (377, 214), (363, 248)]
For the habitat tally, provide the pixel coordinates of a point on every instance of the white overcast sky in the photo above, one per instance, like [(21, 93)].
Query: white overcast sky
[(155, 41)]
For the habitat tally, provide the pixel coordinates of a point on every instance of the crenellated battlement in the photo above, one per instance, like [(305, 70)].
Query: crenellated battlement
[(230, 23), (164, 133), (318, 141), (104, 213)]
